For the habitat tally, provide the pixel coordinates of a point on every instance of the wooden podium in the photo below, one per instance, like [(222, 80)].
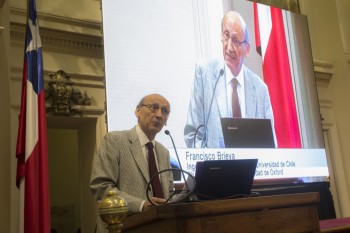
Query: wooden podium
[(279, 213)]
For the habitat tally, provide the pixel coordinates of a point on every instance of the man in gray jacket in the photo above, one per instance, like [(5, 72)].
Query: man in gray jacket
[(213, 88), (121, 162)]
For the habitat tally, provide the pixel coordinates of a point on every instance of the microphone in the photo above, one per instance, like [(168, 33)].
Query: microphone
[(195, 135), (211, 104), (167, 132)]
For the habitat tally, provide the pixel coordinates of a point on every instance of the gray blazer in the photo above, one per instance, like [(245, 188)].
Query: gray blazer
[(257, 102), (120, 164)]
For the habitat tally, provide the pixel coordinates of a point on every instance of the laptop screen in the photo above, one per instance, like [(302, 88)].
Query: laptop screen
[(247, 133), (224, 179)]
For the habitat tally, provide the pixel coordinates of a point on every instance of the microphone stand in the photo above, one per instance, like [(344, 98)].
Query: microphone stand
[(211, 104), (167, 132), (195, 135)]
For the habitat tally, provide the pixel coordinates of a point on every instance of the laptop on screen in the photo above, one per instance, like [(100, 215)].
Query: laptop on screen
[(224, 179), (247, 133)]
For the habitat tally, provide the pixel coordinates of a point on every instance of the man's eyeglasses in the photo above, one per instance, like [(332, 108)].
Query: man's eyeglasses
[(227, 36), (155, 107)]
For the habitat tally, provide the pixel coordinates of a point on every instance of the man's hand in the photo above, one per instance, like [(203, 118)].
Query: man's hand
[(155, 200)]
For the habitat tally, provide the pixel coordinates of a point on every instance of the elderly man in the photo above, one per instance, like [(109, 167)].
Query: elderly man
[(126, 159), (225, 88)]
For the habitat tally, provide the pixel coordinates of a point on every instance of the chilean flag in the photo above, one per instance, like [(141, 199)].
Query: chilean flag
[(31, 151), (271, 44)]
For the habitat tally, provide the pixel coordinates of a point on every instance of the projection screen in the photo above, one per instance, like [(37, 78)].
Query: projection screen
[(152, 47)]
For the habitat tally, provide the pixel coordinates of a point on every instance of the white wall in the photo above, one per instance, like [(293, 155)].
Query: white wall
[(329, 32)]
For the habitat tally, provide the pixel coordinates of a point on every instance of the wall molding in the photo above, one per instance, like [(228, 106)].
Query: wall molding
[(79, 80), (60, 34), (58, 41), (325, 103), (87, 112), (323, 72), (2, 2), (49, 20)]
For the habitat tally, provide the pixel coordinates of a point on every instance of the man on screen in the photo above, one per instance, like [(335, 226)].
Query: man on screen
[(123, 161), (225, 88)]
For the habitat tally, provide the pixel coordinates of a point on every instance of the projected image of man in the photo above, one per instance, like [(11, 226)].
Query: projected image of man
[(225, 88)]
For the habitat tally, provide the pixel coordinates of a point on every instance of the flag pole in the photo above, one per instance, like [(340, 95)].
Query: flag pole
[(31, 150)]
